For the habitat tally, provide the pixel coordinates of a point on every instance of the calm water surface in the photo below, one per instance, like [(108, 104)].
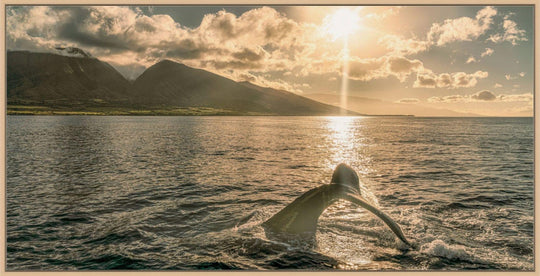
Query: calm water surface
[(190, 193)]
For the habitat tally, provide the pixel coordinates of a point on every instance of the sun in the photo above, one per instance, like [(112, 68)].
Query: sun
[(342, 23)]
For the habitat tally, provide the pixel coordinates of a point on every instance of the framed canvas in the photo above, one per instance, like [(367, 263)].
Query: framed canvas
[(284, 137)]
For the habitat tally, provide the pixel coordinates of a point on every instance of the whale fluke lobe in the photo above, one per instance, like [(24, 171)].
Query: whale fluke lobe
[(301, 216)]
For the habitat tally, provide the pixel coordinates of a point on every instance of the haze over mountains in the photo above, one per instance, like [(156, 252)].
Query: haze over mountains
[(380, 107), (75, 80)]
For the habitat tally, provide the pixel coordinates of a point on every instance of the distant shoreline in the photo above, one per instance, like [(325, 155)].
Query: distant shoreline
[(35, 110), (156, 114), (162, 111)]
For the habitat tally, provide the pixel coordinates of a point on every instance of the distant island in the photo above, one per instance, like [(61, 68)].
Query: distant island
[(73, 82)]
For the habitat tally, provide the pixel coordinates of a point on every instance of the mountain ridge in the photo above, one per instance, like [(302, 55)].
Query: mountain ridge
[(49, 78), (78, 81)]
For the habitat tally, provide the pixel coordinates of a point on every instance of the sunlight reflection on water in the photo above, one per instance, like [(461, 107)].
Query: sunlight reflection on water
[(188, 193), (341, 136)]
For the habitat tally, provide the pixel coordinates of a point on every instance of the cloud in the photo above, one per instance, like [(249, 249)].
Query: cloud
[(511, 77), (463, 28), (246, 77), (425, 81), (379, 13), (440, 34), (263, 81), (483, 96), (511, 33), (526, 97), (429, 79), (402, 67), (367, 69), (401, 46), (408, 101), (487, 52), (250, 55), (260, 39), (383, 67)]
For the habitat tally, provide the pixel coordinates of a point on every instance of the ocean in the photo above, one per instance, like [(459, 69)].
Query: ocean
[(190, 193)]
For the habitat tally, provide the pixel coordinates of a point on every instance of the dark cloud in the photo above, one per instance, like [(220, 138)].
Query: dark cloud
[(248, 55), (184, 53), (184, 49), (145, 25), (484, 96), (403, 65), (425, 81), (278, 31), (72, 33), (444, 80)]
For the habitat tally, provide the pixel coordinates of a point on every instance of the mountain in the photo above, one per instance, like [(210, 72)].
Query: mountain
[(72, 80), (57, 79), (380, 107), (169, 83)]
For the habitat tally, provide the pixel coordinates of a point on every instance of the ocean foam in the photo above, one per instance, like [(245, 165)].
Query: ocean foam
[(440, 249)]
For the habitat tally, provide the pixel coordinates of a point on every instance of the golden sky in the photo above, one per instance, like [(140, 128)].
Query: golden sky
[(470, 59)]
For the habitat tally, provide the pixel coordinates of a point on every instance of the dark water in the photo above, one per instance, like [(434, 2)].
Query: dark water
[(190, 193)]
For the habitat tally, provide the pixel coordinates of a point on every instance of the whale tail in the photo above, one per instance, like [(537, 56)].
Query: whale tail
[(345, 175), (302, 214)]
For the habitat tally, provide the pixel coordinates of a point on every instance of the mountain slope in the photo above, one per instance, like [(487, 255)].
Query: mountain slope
[(171, 83), (47, 78), (380, 107), (72, 80)]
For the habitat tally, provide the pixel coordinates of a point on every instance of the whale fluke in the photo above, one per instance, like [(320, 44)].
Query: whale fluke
[(302, 215)]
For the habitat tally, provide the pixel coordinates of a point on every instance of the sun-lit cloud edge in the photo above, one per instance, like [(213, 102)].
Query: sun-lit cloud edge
[(247, 46)]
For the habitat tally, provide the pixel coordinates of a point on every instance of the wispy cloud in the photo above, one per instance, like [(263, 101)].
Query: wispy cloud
[(451, 30), (511, 33), (456, 30), (487, 52), (408, 101), (513, 77), (483, 96), (454, 80), (471, 59)]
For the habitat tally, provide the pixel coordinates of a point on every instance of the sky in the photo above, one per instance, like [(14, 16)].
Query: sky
[(471, 59)]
